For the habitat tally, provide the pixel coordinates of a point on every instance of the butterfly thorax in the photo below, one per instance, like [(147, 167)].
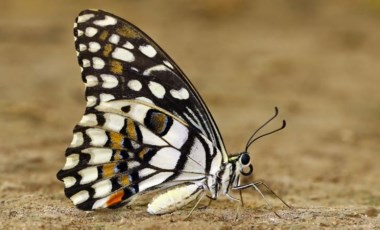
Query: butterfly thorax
[(229, 175)]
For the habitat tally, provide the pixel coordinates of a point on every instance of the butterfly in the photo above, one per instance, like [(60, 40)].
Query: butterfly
[(145, 127)]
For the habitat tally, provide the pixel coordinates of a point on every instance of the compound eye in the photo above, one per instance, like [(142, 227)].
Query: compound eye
[(245, 159)]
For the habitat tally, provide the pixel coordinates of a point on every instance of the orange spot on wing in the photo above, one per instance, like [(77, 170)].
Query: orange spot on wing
[(116, 140), (108, 170), (124, 180), (103, 36), (107, 50), (116, 67), (115, 198), (127, 32)]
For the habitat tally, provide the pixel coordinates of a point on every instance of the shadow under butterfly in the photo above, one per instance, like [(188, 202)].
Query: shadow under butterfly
[(145, 127)]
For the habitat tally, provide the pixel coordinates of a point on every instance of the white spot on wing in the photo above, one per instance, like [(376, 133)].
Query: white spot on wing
[(157, 89), (109, 81), (77, 140), (80, 33), (98, 155), (98, 63), (123, 55), (84, 18), (102, 188), (134, 85), (88, 175), (106, 97), (107, 21), (148, 50), (91, 101), (147, 72), (80, 197), (150, 138), (177, 134), (82, 47), (88, 120), (90, 31), (113, 122), (114, 39), (94, 47), (168, 64), (71, 161), (69, 181), (91, 81), (154, 180), (86, 63), (128, 45), (145, 100), (146, 171), (98, 136), (165, 158), (181, 94)]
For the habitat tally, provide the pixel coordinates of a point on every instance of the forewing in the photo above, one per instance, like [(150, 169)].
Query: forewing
[(119, 61)]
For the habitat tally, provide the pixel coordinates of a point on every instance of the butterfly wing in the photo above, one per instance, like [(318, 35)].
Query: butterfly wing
[(110, 47), (145, 126)]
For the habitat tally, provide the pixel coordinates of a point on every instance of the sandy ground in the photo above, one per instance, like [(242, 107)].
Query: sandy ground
[(317, 61)]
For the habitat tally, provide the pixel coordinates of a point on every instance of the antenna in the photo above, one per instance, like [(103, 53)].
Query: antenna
[(252, 139)]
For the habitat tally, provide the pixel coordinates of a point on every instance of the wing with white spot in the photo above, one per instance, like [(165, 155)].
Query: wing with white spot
[(128, 147), (119, 61)]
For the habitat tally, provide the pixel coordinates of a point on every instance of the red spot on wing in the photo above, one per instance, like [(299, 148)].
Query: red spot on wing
[(115, 198)]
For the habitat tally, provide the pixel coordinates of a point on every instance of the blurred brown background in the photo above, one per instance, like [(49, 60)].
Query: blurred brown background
[(318, 61)]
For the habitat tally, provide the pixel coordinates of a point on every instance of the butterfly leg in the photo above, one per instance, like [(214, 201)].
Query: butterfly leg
[(195, 206), (174, 198), (254, 186)]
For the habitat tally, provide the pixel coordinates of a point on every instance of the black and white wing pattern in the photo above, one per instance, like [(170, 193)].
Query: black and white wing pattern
[(145, 126)]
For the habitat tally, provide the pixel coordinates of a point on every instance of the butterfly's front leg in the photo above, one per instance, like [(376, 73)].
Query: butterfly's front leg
[(174, 198)]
